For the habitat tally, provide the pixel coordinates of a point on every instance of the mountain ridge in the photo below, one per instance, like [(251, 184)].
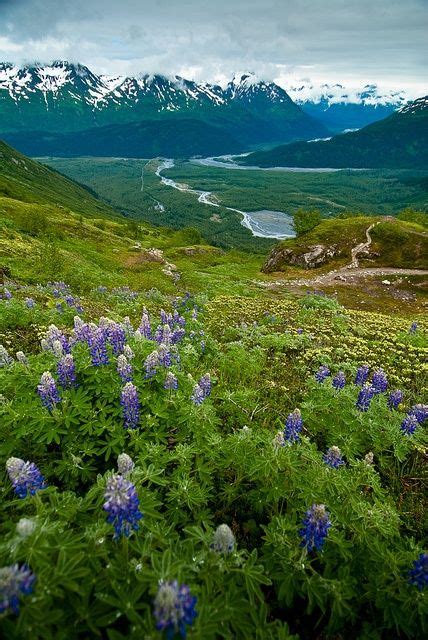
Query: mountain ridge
[(400, 141), (63, 98)]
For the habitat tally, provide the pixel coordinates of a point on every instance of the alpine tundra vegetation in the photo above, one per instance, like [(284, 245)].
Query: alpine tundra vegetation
[(213, 367)]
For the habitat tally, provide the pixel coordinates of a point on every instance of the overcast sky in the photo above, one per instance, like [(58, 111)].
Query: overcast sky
[(353, 42)]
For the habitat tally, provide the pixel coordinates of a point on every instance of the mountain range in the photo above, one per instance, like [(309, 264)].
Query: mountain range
[(40, 104), (399, 141), (339, 107)]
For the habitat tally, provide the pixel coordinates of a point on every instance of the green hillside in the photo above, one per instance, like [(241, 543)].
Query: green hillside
[(29, 181), (395, 243), (400, 141)]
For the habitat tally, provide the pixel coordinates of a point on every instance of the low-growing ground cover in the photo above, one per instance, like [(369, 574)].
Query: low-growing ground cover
[(221, 467)]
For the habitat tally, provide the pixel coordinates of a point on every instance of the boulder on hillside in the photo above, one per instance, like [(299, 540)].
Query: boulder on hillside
[(314, 256)]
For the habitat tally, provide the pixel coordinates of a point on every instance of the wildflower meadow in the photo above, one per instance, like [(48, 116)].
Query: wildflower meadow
[(175, 468)]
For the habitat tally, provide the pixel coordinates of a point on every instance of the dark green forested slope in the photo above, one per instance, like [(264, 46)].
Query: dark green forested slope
[(400, 141), (29, 181)]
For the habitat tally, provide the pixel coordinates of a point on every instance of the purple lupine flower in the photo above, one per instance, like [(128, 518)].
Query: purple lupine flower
[(116, 337), (125, 464), (365, 397), (66, 372), (82, 330), (362, 375), (163, 334), (127, 325), (395, 398), (151, 364), (15, 581), (5, 358), (174, 608), (7, 294), (223, 539), (418, 575), (145, 328), (124, 368), (122, 505), (98, 347), (299, 331), (379, 381), (409, 425), (315, 527), (54, 335), (198, 395), (333, 457), (194, 313), (128, 353), (413, 327), (177, 335), (165, 317), (293, 426), (164, 355), (203, 346), (25, 477), (420, 411), (339, 380), (59, 307), (130, 406), (48, 391), (21, 357), (278, 441), (205, 384), (171, 382), (322, 373), (29, 303)]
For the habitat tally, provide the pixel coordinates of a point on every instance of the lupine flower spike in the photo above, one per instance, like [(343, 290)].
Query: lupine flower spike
[(66, 371), (223, 540), (122, 506), (333, 457), (315, 527), (125, 464), (322, 373), (15, 581), (48, 391), (174, 609), (395, 399), (420, 412), (365, 397), (361, 375), (293, 426), (413, 327), (25, 477), (198, 395), (379, 381), (409, 425), (339, 380), (124, 368), (171, 382), (418, 576), (130, 406)]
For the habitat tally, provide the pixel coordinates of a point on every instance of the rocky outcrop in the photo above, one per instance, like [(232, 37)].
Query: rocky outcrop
[(309, 258)]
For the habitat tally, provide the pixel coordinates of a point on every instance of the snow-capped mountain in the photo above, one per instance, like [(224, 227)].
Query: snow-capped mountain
[(63, 97), (417, 107), (341, 108)]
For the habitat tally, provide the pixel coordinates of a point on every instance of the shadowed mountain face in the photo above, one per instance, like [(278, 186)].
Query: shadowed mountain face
[(399, 141), (64, 98)]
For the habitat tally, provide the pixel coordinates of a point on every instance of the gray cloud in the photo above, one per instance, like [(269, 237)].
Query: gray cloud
[(353, 41)]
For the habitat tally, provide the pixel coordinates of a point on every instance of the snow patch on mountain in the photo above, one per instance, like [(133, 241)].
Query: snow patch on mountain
[(329, 94)]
